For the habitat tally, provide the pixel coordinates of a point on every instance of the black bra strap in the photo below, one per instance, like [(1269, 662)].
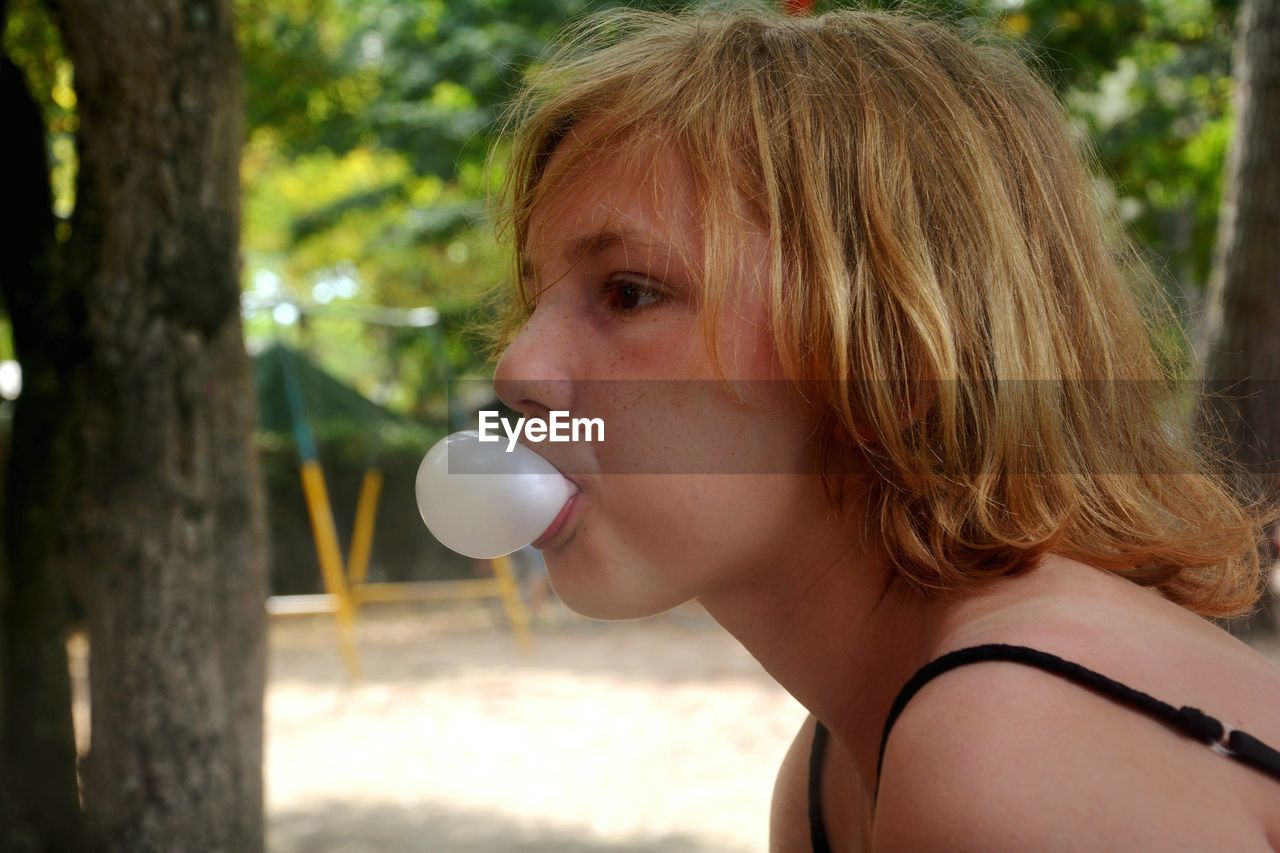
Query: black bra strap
[(1190, 721)]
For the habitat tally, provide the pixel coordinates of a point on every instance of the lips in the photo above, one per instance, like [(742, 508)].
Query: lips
[(559, 520)]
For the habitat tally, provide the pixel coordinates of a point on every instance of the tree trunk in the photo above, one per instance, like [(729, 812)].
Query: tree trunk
[(169, 508), (37, 749), (1243, 325)]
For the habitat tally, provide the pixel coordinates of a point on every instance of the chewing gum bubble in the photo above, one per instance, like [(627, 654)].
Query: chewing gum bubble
[(485, 501)]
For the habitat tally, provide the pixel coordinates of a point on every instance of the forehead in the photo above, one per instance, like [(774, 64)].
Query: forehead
[(640, 193)]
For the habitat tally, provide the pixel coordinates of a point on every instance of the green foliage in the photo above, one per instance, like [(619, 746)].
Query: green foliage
[(368, 123), (419, 78), (1160, 116), (1148, 82), (6, 339), (368, 128), (32, 41)]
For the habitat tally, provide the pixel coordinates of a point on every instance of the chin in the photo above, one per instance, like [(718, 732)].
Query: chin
[(607, 590)]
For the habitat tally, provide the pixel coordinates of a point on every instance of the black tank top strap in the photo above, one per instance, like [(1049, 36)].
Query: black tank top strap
[(817, 829), (1192, 722)]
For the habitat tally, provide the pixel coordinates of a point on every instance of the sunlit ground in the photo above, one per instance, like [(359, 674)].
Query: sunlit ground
[(660, 735)]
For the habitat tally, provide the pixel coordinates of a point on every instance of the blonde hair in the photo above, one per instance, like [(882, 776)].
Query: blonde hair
[(934, 243)]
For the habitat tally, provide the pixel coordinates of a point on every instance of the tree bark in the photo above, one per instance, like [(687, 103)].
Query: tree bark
[(37, 746), (169, 508), (1242, 355)]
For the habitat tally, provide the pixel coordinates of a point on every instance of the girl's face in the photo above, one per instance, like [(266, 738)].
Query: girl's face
[(684, 496)]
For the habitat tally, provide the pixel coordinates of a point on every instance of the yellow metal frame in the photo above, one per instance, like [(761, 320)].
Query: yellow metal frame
[(346, 590)]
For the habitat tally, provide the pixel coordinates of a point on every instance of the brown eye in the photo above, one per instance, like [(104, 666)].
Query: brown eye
[(625, 296)]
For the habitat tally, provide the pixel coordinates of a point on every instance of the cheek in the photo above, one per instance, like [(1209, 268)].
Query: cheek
[(661, 344), (688, 532), (696, 427)]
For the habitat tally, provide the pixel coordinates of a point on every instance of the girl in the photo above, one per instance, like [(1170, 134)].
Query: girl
[(878, 394)]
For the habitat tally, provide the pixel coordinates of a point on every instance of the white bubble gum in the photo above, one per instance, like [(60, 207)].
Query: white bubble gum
[(482, 501)]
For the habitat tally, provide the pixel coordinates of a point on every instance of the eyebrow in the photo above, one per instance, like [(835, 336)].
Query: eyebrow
[(593, 244)]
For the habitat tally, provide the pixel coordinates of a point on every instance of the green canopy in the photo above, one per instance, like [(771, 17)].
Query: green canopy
[(296, 396)]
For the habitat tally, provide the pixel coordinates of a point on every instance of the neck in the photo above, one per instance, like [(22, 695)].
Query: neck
[(836, 626)]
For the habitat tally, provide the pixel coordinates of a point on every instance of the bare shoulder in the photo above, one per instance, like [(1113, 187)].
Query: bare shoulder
[(990, 757), (1002, 756)]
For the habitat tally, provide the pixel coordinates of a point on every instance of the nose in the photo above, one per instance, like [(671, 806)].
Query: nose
[(534, 374)]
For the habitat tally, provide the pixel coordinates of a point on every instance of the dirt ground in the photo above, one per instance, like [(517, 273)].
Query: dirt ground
[(656, 735)]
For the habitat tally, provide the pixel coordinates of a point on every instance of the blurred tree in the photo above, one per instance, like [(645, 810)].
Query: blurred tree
[(143, 487), (1242, 338), (174, 571), (368, 125)]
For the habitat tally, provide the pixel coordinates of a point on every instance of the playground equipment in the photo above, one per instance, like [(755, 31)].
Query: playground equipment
[(281, 372)]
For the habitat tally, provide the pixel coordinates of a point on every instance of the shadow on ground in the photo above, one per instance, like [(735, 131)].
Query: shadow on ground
[(338, 827)]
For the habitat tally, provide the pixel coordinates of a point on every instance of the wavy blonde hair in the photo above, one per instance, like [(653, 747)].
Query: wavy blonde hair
[(935, 248)]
